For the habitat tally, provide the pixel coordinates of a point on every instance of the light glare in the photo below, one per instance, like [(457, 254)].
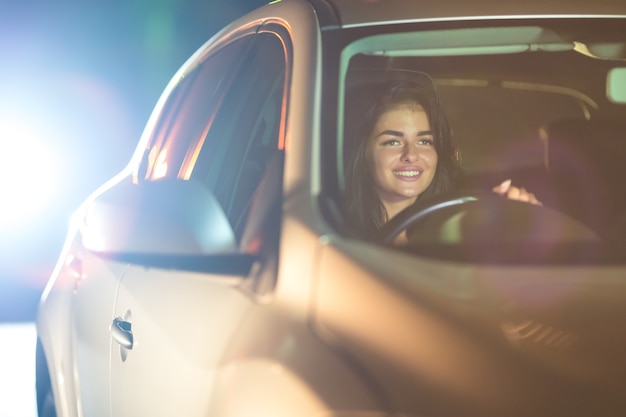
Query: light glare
[(30, 172)]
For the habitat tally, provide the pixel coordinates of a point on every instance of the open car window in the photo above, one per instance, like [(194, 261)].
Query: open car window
[(527, 103)]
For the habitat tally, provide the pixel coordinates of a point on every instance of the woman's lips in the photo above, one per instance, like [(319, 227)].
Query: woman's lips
[(407, 174)]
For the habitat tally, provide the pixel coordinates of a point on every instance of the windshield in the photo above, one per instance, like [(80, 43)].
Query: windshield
[(524, 101)]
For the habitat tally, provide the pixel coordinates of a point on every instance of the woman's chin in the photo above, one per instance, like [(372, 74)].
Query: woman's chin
[(411, 193)]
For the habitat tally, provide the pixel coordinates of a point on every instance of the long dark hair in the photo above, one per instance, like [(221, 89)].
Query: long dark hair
[(363, 209)]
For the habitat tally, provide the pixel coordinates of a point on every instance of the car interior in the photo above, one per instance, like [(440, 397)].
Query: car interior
[(533, 104)]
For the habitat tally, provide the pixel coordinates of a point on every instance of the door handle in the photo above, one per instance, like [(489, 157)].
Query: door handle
[(122, 333)]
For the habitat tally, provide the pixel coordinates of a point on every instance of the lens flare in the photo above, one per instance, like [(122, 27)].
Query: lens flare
[(30, 172)]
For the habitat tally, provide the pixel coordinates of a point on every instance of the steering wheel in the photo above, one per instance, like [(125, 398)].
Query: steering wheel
[(483, 216)]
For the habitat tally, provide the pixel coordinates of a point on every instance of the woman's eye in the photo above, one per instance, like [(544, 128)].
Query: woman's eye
[(427, 142), (391, 142)]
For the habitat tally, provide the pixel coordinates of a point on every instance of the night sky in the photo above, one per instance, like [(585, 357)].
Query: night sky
[(78, 81)]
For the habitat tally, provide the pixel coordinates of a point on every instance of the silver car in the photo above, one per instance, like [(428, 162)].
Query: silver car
[(215, 276)]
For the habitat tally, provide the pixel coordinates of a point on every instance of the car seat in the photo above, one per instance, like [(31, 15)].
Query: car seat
[(587, 165)]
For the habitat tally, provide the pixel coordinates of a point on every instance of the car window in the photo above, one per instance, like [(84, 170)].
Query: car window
[(191, 106), (223, 124), (243, 134), (501, 90)]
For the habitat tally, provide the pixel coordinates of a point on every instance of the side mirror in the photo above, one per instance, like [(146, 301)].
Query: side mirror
[(616, 85), (167, 217)]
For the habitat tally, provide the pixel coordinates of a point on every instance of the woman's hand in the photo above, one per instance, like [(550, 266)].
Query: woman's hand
[(516, 193)]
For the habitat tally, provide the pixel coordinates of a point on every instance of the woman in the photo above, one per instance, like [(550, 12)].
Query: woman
[(400, 149)]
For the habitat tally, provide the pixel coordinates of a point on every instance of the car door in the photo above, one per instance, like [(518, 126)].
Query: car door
[(95, 283), (223, 128)]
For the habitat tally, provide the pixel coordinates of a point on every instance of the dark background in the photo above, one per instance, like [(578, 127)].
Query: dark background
[(78, 81)]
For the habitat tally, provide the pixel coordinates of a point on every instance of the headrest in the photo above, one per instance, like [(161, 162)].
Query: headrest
[(601, 142), (356, 79)]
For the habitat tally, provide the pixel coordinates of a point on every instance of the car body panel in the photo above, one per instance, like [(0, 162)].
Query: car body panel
[(92, 312), (188, 319), (472, 337), (57, 346), (269, 347)]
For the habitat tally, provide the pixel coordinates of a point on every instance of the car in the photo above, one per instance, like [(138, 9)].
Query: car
[(215, 275)]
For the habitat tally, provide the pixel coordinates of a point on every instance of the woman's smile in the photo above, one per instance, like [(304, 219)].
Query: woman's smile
[(407, 175)]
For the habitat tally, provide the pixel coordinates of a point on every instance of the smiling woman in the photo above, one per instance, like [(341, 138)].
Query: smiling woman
[(405, 148)]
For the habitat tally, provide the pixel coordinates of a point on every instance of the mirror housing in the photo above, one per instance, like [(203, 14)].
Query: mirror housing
[(165, 217)]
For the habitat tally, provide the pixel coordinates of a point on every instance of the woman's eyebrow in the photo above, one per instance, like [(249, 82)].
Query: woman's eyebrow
[(398, 133), (390, 132)]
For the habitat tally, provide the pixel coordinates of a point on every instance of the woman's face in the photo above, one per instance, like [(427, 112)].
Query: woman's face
[(401, 151)]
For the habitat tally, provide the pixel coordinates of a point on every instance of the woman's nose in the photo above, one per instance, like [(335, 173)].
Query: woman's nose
[(410, 154)]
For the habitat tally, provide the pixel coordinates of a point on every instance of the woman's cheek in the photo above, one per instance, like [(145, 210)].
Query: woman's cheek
[(431, 157)]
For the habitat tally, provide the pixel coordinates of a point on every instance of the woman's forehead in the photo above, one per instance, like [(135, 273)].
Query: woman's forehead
[(412, 105), (402, 109), (398, 119)]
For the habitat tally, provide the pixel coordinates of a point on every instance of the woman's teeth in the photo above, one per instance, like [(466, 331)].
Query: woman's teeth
[(407, 173)]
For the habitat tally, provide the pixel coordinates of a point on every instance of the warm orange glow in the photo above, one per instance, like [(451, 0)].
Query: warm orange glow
[(282, 132), (282, 141), (192, 155), (191, 158), (254, 245)]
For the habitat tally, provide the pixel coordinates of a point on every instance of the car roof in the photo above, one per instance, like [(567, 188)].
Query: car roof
[(354, 13)]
